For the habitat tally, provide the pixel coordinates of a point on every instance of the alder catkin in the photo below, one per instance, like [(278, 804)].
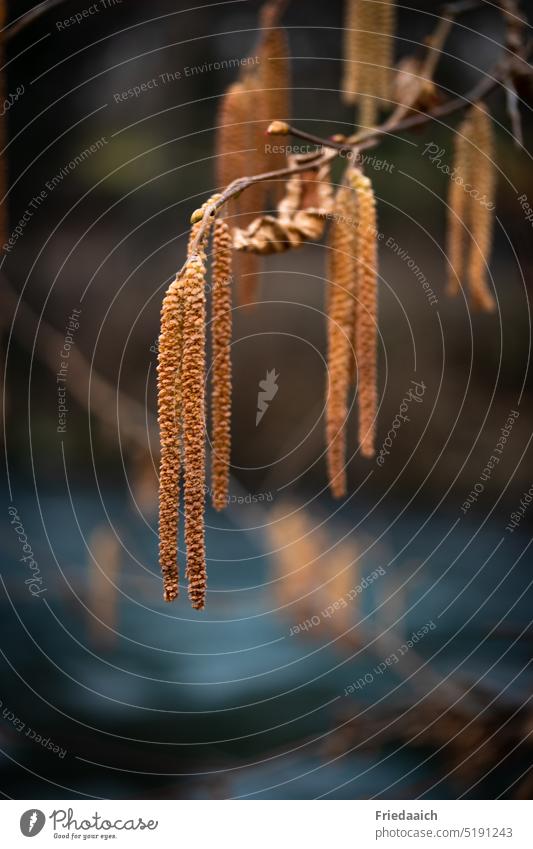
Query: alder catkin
[(4, 215), (386, 26), (102, 593), (471, 208), (169, 414), (366, 323), (274, 100), (221, 344), (351, 51), (232, 139), (193, 404), (368, 56), (341, 308), (483, 178)]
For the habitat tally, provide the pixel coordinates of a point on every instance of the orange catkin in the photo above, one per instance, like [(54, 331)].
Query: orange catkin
[(366, 324), (221, 344), (341, 308), (193, 403), (238, 154), (458, 206), (470, 215), (483, 179), (4, 216), (232, 140), (385, 26), (274, 84), (168, 370)]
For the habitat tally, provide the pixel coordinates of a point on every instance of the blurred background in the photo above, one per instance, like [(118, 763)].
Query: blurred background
[(376, 647)]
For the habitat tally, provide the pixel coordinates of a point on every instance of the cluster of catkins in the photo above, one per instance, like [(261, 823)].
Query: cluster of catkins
[(301, 206)]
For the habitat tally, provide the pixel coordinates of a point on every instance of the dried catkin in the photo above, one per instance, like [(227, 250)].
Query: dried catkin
[(368, 55), (168, 369), (4, 216), (386, 26), (341, 307), (470, 208), (237, 156), (251, 202), (351, 51), (366, 323), (232, 140), (459, 206), (483, 179), (193, 402), (221, 344)]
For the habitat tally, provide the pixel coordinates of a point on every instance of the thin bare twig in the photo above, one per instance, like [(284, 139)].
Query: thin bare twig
[(90, 389), (29, 18), (237, 186)]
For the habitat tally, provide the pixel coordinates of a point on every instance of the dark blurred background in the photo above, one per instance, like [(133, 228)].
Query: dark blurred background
[(154, 700)]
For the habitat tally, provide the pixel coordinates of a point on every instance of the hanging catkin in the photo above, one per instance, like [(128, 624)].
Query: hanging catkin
[(274, 100), (366, 323), (483, 179), (341, 306), (169, 414), (368, 55), (251, 202), (352, 39), (458, 206), (221, 344), (193, 403), (385, 13), (470, 208)]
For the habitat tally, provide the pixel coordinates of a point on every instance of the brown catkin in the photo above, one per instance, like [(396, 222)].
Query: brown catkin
[(368, 55), (4, 215), (368, 111), (386, 27), (251, 203), (470, 213), (168, 369), (221, 344), (193, 403), (274, 82), (232, 139), (351, 51), (341, 307), (483, 178), (366, 325), (458, 207)]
